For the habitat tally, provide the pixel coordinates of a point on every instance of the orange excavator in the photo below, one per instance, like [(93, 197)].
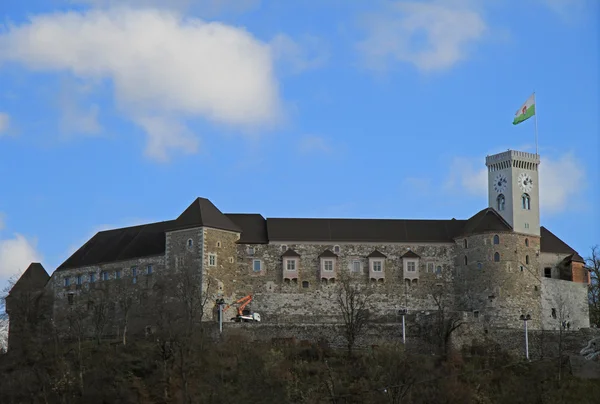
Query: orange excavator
[(243, 314)]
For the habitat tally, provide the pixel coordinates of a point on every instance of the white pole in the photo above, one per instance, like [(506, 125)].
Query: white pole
[(526, 342), (403, 331), (220, 318), (536, 123)]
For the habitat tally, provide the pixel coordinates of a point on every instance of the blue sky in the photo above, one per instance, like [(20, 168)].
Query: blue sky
[(111, 116)]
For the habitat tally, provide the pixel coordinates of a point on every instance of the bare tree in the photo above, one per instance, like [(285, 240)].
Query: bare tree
[(127, 297), (77, 318), (99, 308), (445, 321), (593, 265), (353, 304), (562, 316)]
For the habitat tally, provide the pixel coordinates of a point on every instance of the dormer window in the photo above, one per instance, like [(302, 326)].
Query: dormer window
[(291, 261), (526, 201), (410, 262), (328, 261)]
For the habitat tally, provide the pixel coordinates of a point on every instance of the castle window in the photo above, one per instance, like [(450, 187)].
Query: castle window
[(496, 239), (527, 260), (430, 266), (190, 243), (92, 277), (70, 298), (438, 270), (548, 272), (476, 314), (218, 244), (479, 265), (212, 260), (149, 270), (526, 242), (256, 265), (407, 282), (526, 201), (118, 274), (79, 279), (305, 284), (328, 265), (500, 202), (466, 260), (134, 274), (284, 248), (250, 250), (356, 267), (336, 249), (290, 265), (466, 243), (497, 257), (104, 275), (231, 260), (377, 266), (67, 281), (553, 312)]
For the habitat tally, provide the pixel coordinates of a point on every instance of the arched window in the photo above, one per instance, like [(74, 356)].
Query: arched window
[(496, 239), (526, 242), (500, 202), (466, 260), (527, 259), (190, 243), (497, 257), (526, 201), (466, 243)]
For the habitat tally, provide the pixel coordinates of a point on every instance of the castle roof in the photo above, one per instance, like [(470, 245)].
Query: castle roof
[(149, 240), (34, 278)]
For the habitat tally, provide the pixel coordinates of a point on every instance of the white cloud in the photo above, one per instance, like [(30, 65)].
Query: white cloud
[(311, 144), (76, 118), (304, 54), (431, 35), (163, 68), (16, 254), (566, 8), (4, 122), (560, 181), (467, 175), (206, 7)]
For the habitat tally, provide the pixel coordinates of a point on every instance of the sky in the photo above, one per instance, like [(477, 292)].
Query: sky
[(114, 114)]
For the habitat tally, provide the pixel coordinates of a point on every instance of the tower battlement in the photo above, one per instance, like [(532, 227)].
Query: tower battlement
[(510, 156)]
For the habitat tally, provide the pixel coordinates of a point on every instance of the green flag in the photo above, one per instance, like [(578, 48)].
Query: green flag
[(526, 111)]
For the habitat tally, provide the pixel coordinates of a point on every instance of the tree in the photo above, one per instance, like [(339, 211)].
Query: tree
[(127, 295), (445, 322), (353, 304), (562, 315), (593, 265)]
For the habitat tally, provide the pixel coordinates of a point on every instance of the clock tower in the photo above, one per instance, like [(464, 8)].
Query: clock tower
[(513, 189)]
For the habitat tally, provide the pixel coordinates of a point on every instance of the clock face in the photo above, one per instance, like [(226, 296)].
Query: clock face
[(500, 183), (525, 182)]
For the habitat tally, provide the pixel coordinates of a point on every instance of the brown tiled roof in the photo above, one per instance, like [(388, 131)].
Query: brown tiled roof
[(253, 226), (149, 240), (376, 254), (290, 253), (551, 244), (486, 220), (327, 254), (34, 278), (362, 230), (202, 213), (410, 254)]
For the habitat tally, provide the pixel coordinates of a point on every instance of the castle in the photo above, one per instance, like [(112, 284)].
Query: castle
[(498, 264)]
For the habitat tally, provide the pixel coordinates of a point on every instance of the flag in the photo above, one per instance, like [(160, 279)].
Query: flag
[(526, 111)]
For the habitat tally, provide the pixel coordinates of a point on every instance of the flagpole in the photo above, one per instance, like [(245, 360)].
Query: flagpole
[(536, 125)]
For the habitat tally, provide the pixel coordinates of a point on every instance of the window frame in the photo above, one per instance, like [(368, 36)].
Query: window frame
[(254, 261), (212, 260), (497, 254), (375, 264), (325, 263), (292, 261)]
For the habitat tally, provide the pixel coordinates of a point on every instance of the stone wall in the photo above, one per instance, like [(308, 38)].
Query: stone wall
[(499, 291), (564, 301), (309, 297)]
